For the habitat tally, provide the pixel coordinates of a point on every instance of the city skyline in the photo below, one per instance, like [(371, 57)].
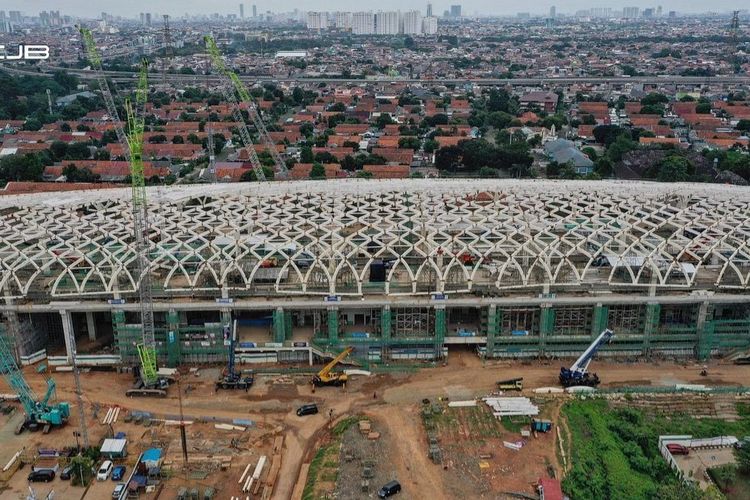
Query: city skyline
[(83, 8)]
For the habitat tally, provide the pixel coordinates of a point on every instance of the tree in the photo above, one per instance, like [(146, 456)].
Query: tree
[(78, 151), (383, 120), (430, 145), (249, 175), (58, 149), (83, 470), (703, 108), (65, 127), (157, 139), (75, 174), (654, 98), (102, 154), (32, 124), (448, 158), (499, 119), (338, 107), (324, 157), (487, 172), (187, 70), (178, 140), (361, 174), (742, 456), (298, 95), (477, 153), (674, 168), (410, 143), (743, 125), (317, 171), (306, 155)]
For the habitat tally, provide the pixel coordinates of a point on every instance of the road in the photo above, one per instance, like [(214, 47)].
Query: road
[(128, 76), (395, 406)]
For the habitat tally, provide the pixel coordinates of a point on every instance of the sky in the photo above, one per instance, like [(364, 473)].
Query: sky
[(131, 8)]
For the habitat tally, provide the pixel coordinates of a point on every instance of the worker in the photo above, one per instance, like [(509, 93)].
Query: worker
[(374, 395), (330, 414)]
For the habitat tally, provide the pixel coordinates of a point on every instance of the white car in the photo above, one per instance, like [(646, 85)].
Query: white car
[(117, 493), (104, 471)]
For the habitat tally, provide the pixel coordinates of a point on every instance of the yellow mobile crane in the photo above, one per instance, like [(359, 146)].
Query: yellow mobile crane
[(326, 376)]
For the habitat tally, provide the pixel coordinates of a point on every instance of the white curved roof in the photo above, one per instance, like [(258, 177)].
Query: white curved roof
[(321, 238)]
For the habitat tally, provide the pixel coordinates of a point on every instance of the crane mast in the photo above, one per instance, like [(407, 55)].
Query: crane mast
[(136, 126), (95, 60), (231, 97)]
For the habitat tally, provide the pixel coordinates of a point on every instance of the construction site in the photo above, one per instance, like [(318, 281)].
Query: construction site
[(184, 333)]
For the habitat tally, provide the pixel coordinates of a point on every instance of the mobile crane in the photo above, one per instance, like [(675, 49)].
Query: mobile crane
[(231, 378), (578, 373), (327, 377), (39, 412)]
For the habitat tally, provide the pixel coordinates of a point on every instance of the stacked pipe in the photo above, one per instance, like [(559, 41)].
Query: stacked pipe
[(111, 416)]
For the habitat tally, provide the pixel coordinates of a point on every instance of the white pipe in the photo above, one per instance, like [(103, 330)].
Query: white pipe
[(13, 459), (117, 414), (106, 417), (242, 478)]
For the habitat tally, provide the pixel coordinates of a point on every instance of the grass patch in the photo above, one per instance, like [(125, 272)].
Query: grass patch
[(514, 425), (325, 464), (733, 483), (615, 453)]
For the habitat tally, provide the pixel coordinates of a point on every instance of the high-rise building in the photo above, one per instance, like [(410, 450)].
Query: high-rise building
[(14, 16), (455, 11), (343, 20), (429, 25), (429, 9), (143, 19), (148, 19), (255, 11), (630, 12), (412, 22), (242, 11), (658, 11), (648, 12), (363, 23), (552, 12), (387, 23), (605, 12), (672, 14), (317, 20)]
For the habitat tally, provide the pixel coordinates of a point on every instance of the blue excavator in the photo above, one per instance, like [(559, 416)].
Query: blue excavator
[(578, 374)]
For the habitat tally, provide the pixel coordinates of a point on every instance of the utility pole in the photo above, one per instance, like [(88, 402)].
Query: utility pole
[(734, 31), (49, 101)]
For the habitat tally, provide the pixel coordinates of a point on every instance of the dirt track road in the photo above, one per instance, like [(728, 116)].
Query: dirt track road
[(396, 405)]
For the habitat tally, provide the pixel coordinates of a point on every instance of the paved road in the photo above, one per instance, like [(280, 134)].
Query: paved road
[(121, 76)]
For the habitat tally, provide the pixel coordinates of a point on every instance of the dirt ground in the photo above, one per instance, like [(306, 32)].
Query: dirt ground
[(391, 400)]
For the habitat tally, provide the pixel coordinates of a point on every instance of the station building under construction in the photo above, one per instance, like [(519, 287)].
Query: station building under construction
[(397, 269)]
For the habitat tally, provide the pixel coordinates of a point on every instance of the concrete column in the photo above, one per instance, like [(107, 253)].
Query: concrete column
[(279, 328), (653, 311), (91, 325), (385, 323), (68, 334), (173, 338), (600, 319), (704, 330), (333, 324), (494, 319), (546, 326), (440, 326)]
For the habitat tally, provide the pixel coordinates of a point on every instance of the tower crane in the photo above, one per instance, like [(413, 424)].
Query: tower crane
[(578, 373), (148, 381), (279, 165), (95, 59), (39, 412)]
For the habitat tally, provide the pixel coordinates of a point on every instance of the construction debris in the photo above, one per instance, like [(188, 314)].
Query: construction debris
[(462, 404), (506, 407), (229, 427)]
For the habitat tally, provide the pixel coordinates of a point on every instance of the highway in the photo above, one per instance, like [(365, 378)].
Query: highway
[(127, 76)]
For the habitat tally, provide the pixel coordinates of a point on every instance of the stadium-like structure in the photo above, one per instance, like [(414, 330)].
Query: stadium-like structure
[(397, 268)]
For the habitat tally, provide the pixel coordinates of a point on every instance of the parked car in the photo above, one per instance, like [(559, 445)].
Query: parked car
[(66, 472), (118, 472), (309, 409), (389, 489), (118, 490), (104, 470), (678, 449), (42, 476)]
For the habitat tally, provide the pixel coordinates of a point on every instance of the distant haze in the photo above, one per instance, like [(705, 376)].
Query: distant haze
[(87, 8)]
